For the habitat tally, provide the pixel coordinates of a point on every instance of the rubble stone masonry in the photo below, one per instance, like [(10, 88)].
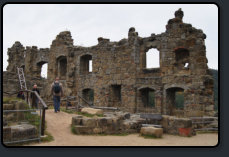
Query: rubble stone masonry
[(119, 77)]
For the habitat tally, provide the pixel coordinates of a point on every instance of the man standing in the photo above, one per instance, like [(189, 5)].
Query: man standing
[(57, 92), (34, 97)]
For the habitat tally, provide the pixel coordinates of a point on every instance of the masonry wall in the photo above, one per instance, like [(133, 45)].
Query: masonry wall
[(119, 76)]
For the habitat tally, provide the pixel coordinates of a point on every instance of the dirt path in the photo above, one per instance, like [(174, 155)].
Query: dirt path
[(58, 124)]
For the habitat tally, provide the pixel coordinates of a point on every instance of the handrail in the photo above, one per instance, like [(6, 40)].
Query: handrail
[(43, 109), (38, 96)]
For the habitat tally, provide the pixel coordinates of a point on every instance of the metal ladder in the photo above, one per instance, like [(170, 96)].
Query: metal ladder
[(23, 82), (21, 78)]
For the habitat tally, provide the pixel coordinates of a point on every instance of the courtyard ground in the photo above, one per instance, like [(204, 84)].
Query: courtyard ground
[(59, 125)]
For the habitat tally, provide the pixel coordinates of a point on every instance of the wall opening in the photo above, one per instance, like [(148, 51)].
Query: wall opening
[(62, 67), (23, 67), (152, 58), (88, 95), (86, 64), (182, 58), (115, 95), (147, 97), (90, 65), (175, 101), (42, 69)]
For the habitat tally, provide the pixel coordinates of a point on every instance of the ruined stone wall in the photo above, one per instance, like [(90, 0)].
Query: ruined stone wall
[(16, 56), (119, 76)]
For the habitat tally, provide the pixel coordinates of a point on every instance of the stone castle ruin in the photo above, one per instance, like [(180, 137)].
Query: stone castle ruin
[(119, 76)]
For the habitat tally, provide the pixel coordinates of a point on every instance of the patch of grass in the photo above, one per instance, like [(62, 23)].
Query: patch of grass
[(32, 119), (73, 129), (67, 111), (150, 137), (48, 138), (7, 100)]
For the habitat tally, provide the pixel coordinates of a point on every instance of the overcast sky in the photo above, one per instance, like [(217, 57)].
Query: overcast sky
[(38, 25)]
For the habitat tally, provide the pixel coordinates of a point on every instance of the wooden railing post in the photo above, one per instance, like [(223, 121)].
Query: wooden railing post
[(43, 122), (27, 97)]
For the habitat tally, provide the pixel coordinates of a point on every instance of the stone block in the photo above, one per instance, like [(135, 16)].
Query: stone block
[(77, 120), (82, 129), (172, 124), (92, 111), (23, 131), (97, 130), (20, 105), (157, 132), (209, 108), (6, 134), (194, 113), (8, 106), (89, 122)]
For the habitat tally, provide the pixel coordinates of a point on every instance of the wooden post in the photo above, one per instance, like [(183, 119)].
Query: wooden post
[(43, 122), (27, 99)]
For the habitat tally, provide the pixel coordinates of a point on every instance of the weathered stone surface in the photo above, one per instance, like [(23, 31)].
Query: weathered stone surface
[(171, 124), (78, 129), (77, 120), (22, 132), (8, 106), (91, 111), (157, 132), (119, 76)]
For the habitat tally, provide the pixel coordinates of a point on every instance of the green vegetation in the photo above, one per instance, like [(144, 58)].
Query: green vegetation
[(7, 100), (215, 77), (33, 119), (48, 138), (73, 129), (67, 111)]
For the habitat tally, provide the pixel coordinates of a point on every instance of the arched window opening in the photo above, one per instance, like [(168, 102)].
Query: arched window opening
[(152, 58), (86, 64), (182, 58), (44, 70)]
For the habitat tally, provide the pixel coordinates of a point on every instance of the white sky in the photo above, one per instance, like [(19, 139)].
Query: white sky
[(38, 25)]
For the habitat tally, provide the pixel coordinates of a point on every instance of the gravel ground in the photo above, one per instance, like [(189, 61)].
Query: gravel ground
[(58, 124)]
